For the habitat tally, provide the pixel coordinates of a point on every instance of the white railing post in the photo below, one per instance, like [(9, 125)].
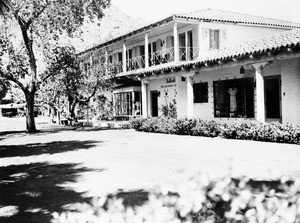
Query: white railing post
[(176, 42), (124, 58), (146, 51)]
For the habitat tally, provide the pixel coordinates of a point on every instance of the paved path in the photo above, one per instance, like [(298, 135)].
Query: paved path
[(125, 159)]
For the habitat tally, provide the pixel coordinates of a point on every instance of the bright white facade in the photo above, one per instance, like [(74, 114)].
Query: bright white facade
[(209, 64)]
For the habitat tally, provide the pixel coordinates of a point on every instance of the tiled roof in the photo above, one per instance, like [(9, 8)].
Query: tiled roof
[(227, 16), (257, 46), (210, 15)]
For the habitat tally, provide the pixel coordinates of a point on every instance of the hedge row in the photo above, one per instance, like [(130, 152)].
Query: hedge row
[(246, 130), (198, 200)]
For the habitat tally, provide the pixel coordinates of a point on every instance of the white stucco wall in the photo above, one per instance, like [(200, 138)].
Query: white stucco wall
[(290, 76), (288, 70)]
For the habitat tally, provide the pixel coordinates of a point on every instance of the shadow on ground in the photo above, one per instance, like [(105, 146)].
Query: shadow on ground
[(30, 193), (45, 148), (131, 198), (54, 129)]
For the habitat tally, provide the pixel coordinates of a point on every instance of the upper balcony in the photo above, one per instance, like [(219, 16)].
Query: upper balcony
[(173, 42)]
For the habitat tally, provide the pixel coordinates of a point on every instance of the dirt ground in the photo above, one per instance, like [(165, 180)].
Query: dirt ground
[(43, 172)]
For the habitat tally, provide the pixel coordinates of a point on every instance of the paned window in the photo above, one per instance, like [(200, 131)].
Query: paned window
[(214, 39), (234, 98)]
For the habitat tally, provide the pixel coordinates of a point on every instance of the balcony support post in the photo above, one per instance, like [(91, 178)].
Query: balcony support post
[(124, 58), (146, 51), (176, 42)]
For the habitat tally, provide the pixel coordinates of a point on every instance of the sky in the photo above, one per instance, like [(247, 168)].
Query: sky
[(158, 9)]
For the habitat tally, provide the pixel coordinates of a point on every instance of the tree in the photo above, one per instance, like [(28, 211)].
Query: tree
[(39, 23), (70, 85), (4, 6)]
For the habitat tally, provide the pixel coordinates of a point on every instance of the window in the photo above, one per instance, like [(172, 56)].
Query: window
[(123, 103), (234, 98), (200, 92), (214, 39)]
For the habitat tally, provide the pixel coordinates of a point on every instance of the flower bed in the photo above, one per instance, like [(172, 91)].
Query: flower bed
[(246, 130)]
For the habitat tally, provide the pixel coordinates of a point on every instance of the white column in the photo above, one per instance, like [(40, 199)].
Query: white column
[(260, 93), (190, 96), (187, 55), (200, 44), (144, 99), (176, 42), (124, 58), (146, 51)]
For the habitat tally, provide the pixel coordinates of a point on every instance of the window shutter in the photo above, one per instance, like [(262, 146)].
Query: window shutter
[(223, 38), (205, 38)]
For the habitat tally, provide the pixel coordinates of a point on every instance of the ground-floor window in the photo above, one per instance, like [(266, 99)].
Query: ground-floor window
[(234, 98), (123, 103), (128, 103)]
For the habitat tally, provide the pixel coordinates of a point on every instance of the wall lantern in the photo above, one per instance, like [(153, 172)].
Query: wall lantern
[(182, 78), (242, 70)]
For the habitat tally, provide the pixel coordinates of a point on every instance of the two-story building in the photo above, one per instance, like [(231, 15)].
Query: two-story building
[(210, 64)]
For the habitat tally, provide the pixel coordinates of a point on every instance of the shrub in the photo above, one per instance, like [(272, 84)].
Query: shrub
[(199, 200), (245, 130)]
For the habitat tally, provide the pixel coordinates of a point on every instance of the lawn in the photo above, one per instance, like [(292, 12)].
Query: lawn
[(45, 172)]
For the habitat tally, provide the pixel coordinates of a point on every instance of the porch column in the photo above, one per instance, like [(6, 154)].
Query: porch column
[(144, 98), (176, 42), (260, 93), (124, 58), (146, 51), (200, 44), (190, 96)]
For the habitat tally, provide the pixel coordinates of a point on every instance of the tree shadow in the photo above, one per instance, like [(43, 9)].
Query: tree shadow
[(131, 198), (34, 191), (45, 148)]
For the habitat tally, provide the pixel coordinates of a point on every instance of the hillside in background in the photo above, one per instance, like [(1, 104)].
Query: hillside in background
[(115, 23)]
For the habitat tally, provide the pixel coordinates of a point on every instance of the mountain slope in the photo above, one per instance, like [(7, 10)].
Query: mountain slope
[(113, 24)]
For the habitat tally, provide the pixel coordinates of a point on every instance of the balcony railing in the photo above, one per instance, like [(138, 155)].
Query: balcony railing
[(161, 57), (135, 63), (115, 68), (155, 58), (188, 54)]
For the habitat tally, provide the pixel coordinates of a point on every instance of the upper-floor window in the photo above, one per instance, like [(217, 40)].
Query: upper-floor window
[(214, 39)]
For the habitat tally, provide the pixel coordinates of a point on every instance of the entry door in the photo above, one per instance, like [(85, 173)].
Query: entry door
[(154, 103), (273, 98)]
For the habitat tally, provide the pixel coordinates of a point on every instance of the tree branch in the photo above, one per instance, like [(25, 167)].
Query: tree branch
[(11, 78)]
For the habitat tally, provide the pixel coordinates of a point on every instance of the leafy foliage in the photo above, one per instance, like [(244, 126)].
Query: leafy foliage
[(35, 26), (67, 84), (246, 130), (200, 199)]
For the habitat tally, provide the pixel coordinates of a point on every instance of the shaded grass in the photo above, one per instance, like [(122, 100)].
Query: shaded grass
[(45, 148), (36, 192)]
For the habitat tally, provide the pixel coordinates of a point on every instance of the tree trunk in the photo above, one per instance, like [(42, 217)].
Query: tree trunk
[(72, 113), (30, 123)]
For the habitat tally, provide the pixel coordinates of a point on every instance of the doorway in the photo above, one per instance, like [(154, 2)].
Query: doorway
[(273, 98), (154, 103)]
